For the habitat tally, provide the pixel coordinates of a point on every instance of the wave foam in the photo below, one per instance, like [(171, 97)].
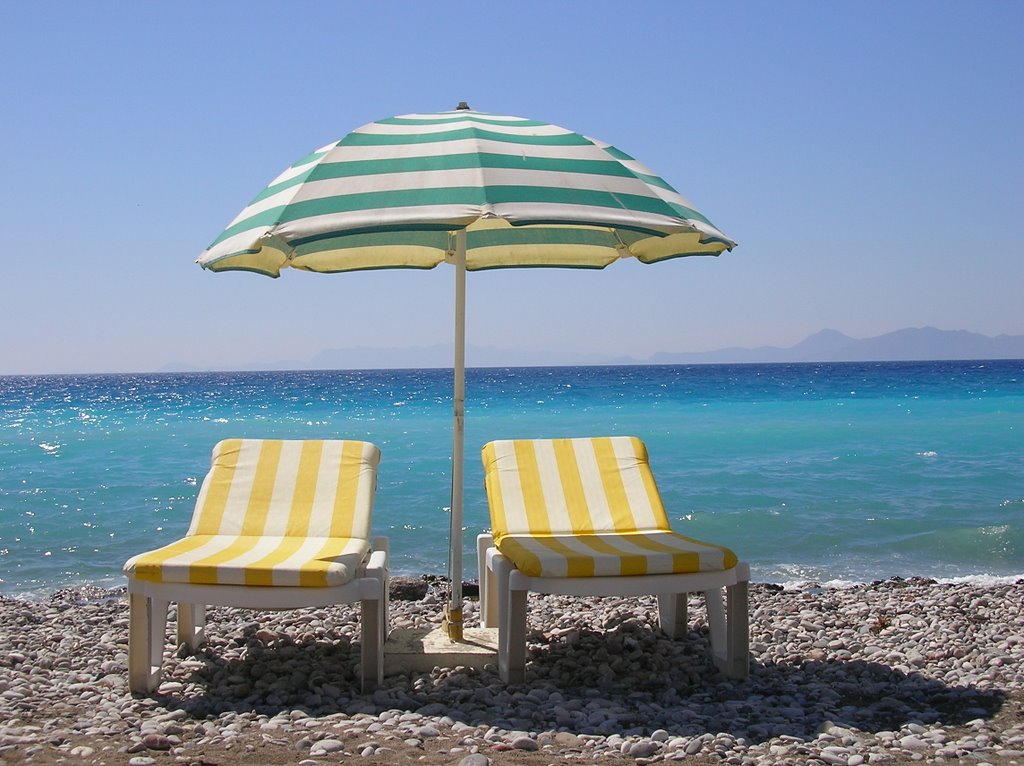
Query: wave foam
[(977, 580)]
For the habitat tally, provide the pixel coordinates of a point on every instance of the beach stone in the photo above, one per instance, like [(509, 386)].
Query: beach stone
[(912, 742), (566, 739), (475, 759), (157, 742), (643, 749), (834, 759), (407, 588), (326, 746), (525, 743)]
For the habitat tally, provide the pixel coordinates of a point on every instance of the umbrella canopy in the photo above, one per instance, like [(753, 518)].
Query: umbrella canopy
[(477, 190)]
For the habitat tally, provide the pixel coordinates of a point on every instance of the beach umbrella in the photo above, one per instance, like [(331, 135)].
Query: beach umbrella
[(468, 188)]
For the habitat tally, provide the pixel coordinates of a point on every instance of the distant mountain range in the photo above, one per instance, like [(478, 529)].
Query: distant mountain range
[(912, 344)]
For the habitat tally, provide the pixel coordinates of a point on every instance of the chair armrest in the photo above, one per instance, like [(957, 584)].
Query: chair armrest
[(378, 562)]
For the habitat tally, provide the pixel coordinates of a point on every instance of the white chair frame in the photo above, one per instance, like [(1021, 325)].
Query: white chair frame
[(503, 591), (148, 603)]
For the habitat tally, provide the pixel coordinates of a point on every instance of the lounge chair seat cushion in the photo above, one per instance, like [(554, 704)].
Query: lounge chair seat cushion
[(253, 560), (274, 512), (612, 555), (585, 508)]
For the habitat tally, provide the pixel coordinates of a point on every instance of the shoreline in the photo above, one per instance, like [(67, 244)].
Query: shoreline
[(115, 585), (893, 671)]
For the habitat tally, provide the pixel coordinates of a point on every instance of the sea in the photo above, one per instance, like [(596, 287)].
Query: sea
[(816, 474)]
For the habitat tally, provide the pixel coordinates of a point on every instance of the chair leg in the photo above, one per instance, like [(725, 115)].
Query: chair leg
[(147, 620), (672, 614), (384, 575), (138, 643), (730, 630), (489, 611), (515, 672), (372, 658), (191, 625), (385, 619), (488, 585), (489, 606), (157, 632), (499, 575), (511, 624), (738, 637), (716, 623)]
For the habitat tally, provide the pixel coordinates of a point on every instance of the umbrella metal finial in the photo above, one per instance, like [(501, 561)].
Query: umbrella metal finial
[(463, 107)]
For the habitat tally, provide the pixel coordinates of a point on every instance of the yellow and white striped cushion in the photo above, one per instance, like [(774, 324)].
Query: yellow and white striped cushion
[(586, 508), (274, 512)]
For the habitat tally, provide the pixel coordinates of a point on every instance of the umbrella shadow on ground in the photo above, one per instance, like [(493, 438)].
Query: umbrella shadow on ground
[(630, 680)]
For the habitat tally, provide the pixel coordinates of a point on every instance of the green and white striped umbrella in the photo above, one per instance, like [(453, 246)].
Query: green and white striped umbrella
[(477, 190)]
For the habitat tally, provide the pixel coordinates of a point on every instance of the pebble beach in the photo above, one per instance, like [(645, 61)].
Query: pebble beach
[(895, 671)]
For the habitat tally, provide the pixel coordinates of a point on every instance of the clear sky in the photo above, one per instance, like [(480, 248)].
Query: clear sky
[(867, 156)]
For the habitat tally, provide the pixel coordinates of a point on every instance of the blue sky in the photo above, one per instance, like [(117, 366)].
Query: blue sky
[(868, 157)]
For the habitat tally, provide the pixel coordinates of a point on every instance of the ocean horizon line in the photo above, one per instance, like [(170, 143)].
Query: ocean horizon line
[(442, 368)]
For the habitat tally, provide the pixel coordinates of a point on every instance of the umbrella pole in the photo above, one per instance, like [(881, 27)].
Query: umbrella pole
[(453, 614)]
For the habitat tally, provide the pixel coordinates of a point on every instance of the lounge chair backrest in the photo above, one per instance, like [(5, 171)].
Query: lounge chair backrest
[(288, 488), (571, 486)]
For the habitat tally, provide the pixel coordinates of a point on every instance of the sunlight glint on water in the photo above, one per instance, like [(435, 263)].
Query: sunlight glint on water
[(810, 472)]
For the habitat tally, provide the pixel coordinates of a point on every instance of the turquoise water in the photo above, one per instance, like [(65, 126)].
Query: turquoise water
[(811, 472)]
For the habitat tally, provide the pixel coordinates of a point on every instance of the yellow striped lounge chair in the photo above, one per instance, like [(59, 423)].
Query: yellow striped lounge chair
[(584, 517), (278, 524)]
